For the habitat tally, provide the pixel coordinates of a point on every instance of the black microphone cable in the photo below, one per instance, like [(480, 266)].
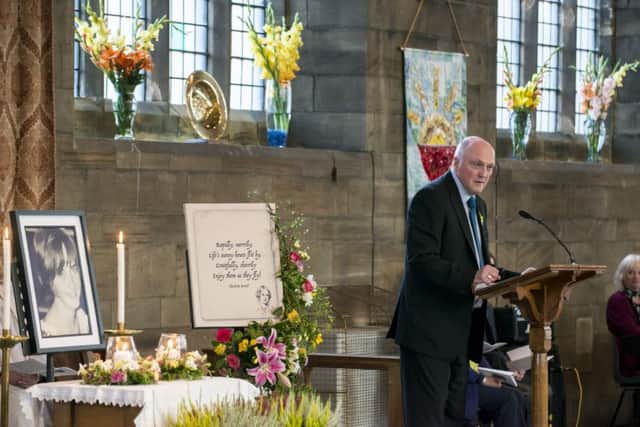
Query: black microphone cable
[(527, 215)]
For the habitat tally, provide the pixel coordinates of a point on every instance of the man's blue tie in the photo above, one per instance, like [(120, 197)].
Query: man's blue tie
[(473, 216)]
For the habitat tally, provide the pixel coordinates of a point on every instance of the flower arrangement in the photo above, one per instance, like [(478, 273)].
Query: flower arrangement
[(597, 92), (122, 372), (190, 366), (166, 365), (521, 101), (123, 62), (272, 353), (276, 54), (598, 88), (527, 97), (303, 409)]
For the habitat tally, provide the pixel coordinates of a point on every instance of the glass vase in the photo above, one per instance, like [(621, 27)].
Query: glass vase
[(124, 111), (520, 123), (277, 107), (171, 346), (595, 132), (121, 349)]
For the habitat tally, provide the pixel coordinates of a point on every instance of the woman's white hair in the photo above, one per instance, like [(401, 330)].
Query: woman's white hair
[(625, 265)]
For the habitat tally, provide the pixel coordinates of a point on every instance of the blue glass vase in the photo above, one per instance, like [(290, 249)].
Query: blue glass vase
[(277, 107)]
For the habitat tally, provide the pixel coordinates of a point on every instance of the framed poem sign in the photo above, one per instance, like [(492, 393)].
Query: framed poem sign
[(233, 260), (57, 294)]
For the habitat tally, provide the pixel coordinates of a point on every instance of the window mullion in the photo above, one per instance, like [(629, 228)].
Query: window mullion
[(220, 43), (160, 74), (568, 82), (530, 47)]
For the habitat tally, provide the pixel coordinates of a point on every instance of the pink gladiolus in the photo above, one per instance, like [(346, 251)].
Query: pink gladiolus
[(224, 335), (268, 367), (233, 361), (271, 346)]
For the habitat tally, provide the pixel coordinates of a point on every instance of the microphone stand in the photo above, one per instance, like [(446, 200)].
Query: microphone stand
[(527, 215)]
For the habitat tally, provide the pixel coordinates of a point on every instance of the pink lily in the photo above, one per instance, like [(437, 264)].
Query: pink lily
[(271, 346), (268, 367)]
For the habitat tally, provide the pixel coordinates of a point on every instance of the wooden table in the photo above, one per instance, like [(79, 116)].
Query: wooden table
[(80, 405), (72, 414)]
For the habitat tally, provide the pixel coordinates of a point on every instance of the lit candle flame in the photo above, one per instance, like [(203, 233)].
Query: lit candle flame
[(120, 238), (6, 233)]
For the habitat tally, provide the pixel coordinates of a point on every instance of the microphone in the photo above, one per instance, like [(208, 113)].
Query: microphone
[(527, 215)]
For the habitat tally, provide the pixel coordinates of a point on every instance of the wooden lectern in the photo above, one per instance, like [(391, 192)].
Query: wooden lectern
[(540, 296)]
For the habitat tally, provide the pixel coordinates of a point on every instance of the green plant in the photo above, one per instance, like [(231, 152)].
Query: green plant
[(273, 352), (276, 410)]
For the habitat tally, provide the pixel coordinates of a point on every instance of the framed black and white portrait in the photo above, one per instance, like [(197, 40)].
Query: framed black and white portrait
[(56, 276)]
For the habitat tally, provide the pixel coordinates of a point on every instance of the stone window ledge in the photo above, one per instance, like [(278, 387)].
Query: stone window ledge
[(160, 121)]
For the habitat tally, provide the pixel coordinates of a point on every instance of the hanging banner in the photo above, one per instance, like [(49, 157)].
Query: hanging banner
[(435, 87)]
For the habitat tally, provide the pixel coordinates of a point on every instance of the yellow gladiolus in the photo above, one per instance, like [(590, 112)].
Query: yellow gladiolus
[(277, 52), (527, 97)]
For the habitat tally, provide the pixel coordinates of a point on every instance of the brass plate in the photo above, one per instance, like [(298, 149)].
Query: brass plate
[(206, 105)]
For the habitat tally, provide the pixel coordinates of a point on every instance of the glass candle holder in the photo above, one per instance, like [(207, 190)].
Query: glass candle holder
[(171, 346), (121, 349)]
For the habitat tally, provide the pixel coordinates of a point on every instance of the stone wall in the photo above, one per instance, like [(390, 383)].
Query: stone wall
[(592, 209), (627, 113), (348, 117)]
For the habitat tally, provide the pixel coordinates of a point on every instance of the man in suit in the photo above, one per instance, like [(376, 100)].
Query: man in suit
[(447, 245)]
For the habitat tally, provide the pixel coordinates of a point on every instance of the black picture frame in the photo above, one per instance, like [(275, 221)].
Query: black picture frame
[(56, 295)]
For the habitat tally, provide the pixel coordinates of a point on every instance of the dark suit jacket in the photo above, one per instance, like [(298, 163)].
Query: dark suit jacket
[(434, 311)]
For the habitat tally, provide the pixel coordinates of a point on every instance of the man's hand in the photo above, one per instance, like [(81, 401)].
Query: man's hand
[(492, 382), (519, 374), (487, 274)]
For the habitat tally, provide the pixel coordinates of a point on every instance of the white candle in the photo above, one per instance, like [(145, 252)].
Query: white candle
[(121, 288), (122, 355), (6, 262)]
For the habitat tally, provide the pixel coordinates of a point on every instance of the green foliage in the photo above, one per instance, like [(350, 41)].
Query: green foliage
[(276, 410), (306, 309)]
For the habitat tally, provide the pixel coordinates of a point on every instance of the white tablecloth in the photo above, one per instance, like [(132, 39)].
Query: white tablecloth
[(158, 401)]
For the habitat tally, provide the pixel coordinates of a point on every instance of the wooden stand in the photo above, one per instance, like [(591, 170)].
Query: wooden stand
[(540, 296), (390, 364)]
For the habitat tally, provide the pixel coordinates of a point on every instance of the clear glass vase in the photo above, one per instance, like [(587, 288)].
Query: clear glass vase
[(520, 123), (277, 107), (124, 111), (171, 346), (595, 132), (121, 349)]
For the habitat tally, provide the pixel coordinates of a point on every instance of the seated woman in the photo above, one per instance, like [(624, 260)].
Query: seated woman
[(623, 311)]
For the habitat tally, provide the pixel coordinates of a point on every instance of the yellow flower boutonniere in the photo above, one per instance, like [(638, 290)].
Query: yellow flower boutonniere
[(481, 218)]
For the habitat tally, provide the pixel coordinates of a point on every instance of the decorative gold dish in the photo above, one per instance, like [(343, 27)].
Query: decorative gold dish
[(206, 106)]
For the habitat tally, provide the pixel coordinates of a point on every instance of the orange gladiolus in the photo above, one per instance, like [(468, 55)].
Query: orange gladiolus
[(106, 56)]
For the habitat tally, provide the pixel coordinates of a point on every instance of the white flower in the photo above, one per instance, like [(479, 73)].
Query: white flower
[(189, 363), (307, 297)]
